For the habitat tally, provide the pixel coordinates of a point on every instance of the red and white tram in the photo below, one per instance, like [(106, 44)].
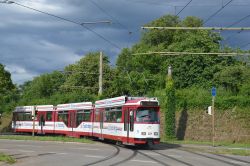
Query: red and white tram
[(74, 119), (127, 120)]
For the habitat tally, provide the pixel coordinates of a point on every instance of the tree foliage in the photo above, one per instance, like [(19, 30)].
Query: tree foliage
[(8, 91), (170, 109)]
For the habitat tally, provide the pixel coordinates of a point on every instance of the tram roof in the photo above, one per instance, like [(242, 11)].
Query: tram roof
[(24, 109), (45, 108), (122, 100), (75, 106)]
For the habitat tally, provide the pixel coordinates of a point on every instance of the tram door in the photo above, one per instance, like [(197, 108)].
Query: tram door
[(41, 122), (129, 123), (72, 120)]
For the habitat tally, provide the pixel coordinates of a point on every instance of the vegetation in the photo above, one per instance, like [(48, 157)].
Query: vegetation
[(144, 74), (45, 138), (6, 158), (170, 109)]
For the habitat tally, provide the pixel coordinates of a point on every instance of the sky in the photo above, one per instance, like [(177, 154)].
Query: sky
[(33, 43)]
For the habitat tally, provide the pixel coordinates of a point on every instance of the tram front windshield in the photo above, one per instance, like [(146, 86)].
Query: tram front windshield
[(147, 115)]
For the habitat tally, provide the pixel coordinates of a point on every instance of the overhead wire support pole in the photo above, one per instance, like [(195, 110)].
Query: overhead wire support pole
[(100, 74), (199, 28), (97, 22)]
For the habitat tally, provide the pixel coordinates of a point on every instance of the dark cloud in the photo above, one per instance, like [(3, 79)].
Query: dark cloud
[(32, 43)]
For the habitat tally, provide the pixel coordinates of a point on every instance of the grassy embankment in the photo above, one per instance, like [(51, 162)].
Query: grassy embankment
[(46, 138), (7, 159)]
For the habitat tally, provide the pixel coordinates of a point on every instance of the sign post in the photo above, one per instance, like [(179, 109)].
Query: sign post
[(213, 100)]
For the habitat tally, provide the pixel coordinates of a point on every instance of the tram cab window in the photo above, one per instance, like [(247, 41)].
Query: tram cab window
[(23, 116), (147, 115)]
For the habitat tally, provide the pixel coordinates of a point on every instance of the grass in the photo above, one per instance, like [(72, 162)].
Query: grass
[(209, 143), (216, 150), (240, 152), (46, 138), (6, 158), (220, 147), (5, 121)]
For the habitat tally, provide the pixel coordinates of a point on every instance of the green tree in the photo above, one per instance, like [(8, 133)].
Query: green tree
[(231, 78), (85, 74), (8, 92), (5, 80), (190, 70)]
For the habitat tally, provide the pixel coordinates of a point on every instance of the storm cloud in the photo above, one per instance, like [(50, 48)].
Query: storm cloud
[(32, 43)]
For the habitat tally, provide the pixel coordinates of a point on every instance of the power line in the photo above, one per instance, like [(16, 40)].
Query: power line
[(193, 53), (235, 23), (217, 11), (105, 12), (243, 46), (67, 20), (199, 28), (184, 7)]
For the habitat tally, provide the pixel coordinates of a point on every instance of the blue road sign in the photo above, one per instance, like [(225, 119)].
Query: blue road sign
[(213, 91)]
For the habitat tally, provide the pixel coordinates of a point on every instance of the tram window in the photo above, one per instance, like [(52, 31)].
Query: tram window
[(79, 118), (15, 115), (63, 116), (24, 116), (86, 115), (147, 115), (119, 115), (49, 116), (19, 116), (113, 115), (97, 116)]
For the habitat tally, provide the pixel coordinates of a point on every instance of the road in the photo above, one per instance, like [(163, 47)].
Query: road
[(78, 154)]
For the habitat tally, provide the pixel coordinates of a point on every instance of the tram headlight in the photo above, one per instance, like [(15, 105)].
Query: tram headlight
[(143, 133), (156, 133)]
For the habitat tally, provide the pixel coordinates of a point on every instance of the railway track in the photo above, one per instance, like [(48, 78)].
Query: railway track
[(113, 155), (220, 158), (159, 155)]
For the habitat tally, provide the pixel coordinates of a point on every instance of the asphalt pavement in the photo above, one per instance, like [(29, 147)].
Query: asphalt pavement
[(37, 153)]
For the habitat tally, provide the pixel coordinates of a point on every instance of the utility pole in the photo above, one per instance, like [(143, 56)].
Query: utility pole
[(100, 74), (169, 72), (213, 125)]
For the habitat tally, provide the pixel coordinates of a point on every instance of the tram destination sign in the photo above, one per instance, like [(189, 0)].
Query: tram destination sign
[(149, 103)]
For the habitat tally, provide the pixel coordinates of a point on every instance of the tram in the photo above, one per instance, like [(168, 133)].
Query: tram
[(126, 120)]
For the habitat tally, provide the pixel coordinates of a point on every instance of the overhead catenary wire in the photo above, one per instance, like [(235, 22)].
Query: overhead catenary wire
[(67, 20), (235, 23), (184, 7), (107, 13), (210, 17)]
